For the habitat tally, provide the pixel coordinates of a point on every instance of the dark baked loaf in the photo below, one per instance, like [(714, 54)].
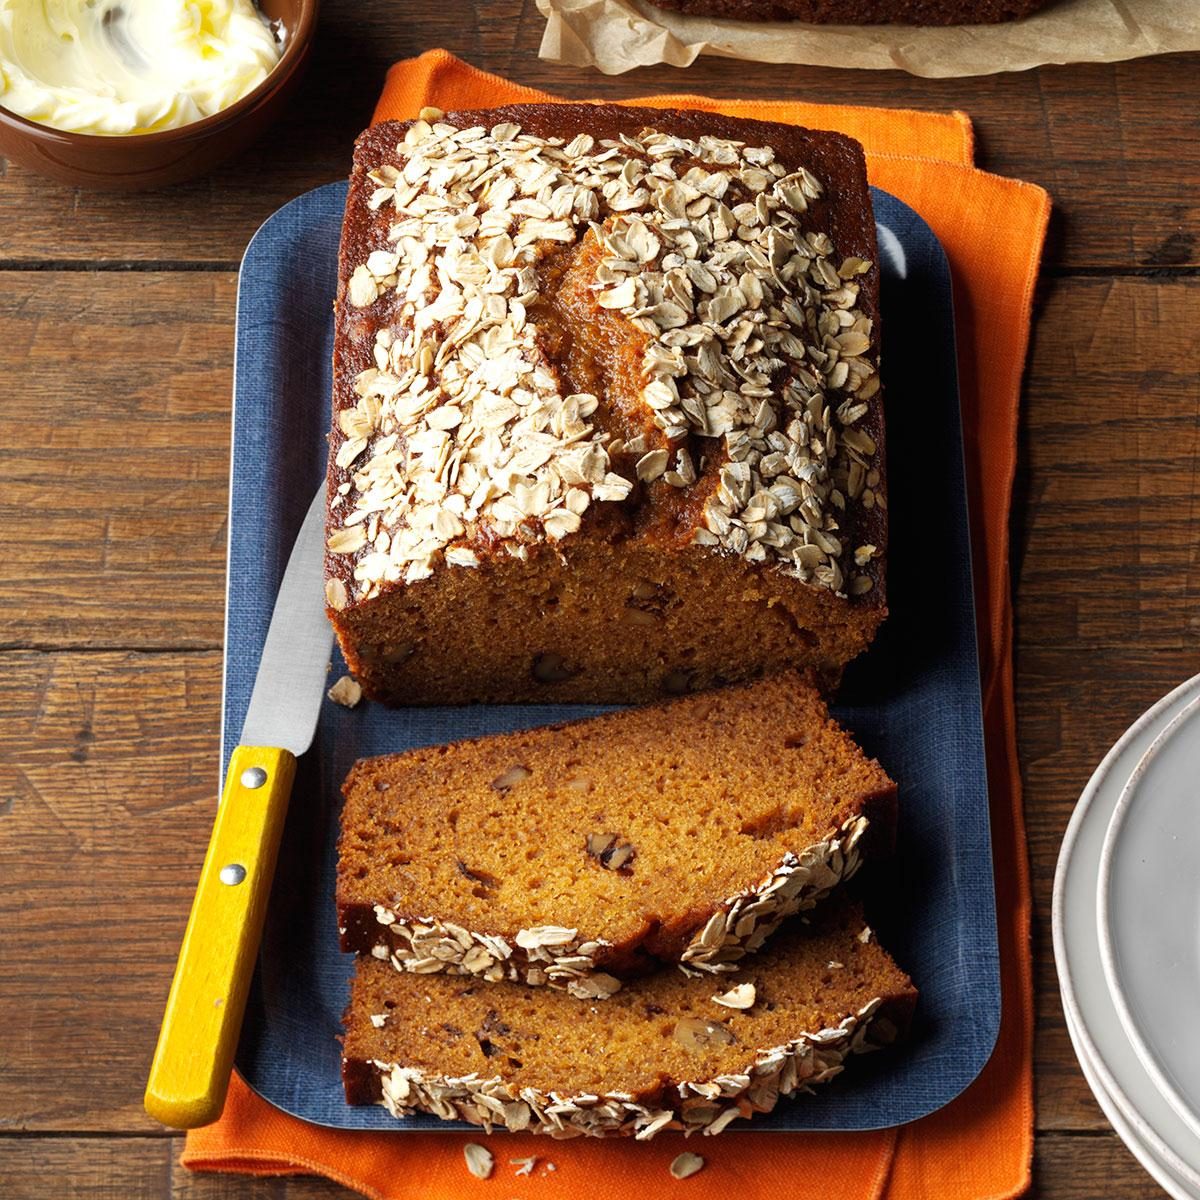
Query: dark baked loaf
[(573, 854), (861, 12), (666, 1052), (607, 420)]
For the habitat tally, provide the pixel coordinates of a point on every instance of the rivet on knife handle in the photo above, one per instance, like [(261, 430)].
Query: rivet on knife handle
[(190, 1073)]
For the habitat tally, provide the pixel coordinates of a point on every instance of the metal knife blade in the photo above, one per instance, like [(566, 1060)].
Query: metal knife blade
[(290, 683)]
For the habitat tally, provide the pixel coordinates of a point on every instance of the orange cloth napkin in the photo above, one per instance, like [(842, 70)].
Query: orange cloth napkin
[(979, 1146)]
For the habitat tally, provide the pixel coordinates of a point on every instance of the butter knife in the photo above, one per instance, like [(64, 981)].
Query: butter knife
[(190, 1072)]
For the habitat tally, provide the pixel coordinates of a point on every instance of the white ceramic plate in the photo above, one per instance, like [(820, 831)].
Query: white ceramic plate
[(1148, 911), (1158, 1170), (1098, 1033)]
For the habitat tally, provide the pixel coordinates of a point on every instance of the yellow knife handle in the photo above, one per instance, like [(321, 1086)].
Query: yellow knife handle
[(196, 1045)]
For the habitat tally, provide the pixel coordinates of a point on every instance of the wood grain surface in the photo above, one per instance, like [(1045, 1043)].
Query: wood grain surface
[(115, 373)]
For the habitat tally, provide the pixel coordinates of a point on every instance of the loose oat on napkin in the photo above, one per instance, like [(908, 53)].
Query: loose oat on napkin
[(618, 35)]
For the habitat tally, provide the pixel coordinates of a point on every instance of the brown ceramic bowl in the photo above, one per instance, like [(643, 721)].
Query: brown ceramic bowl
[(147, 160)]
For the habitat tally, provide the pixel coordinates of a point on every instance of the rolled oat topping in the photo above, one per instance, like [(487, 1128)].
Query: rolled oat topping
[(742, 923), (346, 691), (480, 1160), (685, 1165), (741, 996), (755, 353), (542, 955)]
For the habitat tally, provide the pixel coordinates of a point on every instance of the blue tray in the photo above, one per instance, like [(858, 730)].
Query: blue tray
[(913, 700)]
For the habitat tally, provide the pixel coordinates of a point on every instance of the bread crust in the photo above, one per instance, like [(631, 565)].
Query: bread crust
[(861, 12)]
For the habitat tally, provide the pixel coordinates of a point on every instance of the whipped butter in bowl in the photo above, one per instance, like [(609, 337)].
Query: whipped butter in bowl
[(122, 67)]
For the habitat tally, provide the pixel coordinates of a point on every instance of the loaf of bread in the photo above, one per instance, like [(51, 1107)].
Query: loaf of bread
[(861, 12), (667, 1052), (575, 855), (606, 415)]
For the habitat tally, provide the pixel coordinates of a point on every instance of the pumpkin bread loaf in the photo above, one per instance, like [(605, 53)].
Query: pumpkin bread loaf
[(606, 412), (667, 1052), (575, 855), (862, 12)]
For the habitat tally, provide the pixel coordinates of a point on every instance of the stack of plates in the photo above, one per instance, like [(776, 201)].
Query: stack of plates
[(1127, 938)]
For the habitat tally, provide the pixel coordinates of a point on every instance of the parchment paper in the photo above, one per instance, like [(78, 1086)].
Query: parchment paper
[(618, 35)]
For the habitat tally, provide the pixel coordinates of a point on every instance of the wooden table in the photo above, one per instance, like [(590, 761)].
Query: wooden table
[(116, 342)]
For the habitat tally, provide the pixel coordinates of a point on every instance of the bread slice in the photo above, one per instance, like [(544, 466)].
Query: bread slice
[(578, 854), (667, 1052), (607, 418)]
